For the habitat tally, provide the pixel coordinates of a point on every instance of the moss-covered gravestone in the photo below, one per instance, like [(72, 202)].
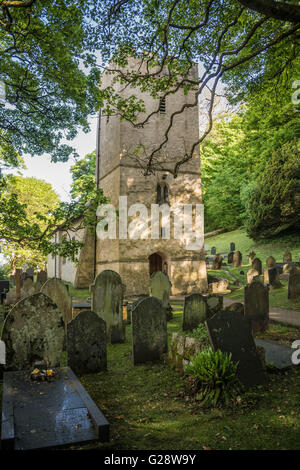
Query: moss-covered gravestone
[(231, 333), (33, 331), (58, 292), (294, 286), (217, 262), (194, 312), (149, 331), (237, 259), (198, 308), (160, 287), (107, 302), (86, 343), (41, 276), (256, 302)]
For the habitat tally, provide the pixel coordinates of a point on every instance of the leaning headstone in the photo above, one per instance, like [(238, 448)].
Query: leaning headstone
[(107, 302), (232, 246), (160, 287), (237, 259), (256, 302), (33, 331), (28, 288), (195, 311), (252, 274), (294, 286), (213, 250), (217, 262), (270, 262), (231, 333), (230, 257), (86, 343), (149, 331), (252, 256), (57, 291), (41, 276), (257, 265), (287, 257)]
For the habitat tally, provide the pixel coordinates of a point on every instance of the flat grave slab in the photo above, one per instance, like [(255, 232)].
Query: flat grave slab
[(279, 355), (38, 415)]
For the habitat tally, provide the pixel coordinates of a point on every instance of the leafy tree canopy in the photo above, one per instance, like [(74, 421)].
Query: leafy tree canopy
[(83, 175)]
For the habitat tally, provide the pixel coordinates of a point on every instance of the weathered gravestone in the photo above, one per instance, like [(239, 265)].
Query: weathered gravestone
[(256, 302), (294, 286), (230, 257), (270, 262), (237, 259), (257, 265), (232, 246), (29, 273), (11, 297), (271, 277), (213, 250), (41, 276), (287, 257), (217, 262), (58, 292), (32, 331), (149, 331), (251, 256), (107, 302), (231, 333), (86, 343), (195, 311), (252, 274), (220, 286), (160, 287)]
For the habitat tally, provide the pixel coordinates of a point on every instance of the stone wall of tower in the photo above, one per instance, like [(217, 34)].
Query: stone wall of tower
[(120, 175)]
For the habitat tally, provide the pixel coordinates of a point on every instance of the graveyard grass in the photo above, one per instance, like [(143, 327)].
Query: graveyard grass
[(147, 410)]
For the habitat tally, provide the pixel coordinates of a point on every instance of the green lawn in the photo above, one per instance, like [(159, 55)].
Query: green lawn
[(278, 297), (147, 409), (262, 249)]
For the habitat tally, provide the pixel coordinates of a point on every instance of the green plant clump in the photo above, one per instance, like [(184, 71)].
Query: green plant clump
[(215, 375)]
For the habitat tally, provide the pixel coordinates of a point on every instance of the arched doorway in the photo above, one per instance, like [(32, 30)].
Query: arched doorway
[(158, 262), (155, 263)]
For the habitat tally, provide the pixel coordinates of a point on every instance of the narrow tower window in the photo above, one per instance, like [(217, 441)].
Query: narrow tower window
[(162, 105)]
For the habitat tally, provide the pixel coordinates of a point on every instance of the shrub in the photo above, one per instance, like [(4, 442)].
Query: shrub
[(274, 204), (215, 376)]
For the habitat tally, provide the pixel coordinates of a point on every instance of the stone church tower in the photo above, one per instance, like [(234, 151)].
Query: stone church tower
[(119, 174)]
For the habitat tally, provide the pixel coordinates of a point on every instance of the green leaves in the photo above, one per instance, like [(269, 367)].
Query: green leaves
[(215, 374)]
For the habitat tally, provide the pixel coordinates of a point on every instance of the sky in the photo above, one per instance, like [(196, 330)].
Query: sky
[(58, 174)]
